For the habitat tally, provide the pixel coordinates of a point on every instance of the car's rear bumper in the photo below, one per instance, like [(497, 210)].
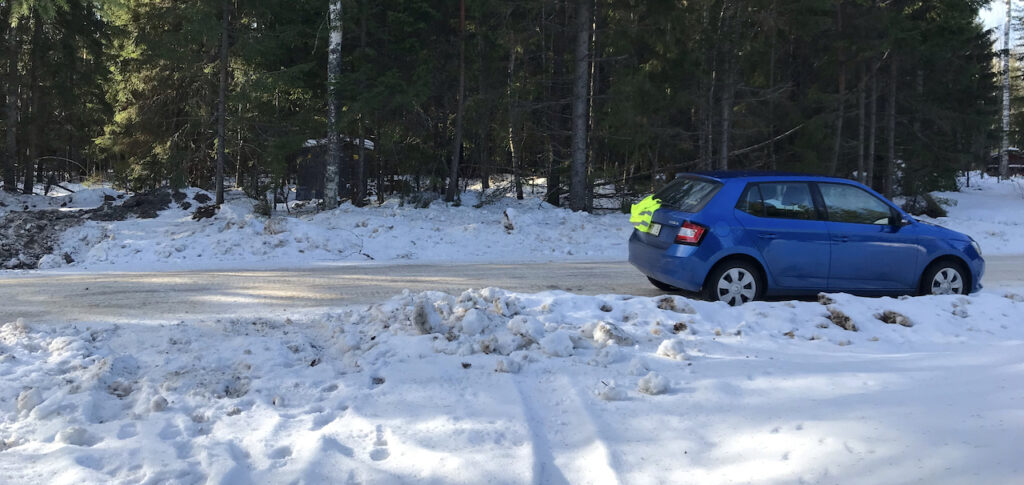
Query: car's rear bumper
[(675, 265)]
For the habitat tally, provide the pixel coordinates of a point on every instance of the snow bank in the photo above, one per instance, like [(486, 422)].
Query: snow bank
[(388, 233), (494, 385)]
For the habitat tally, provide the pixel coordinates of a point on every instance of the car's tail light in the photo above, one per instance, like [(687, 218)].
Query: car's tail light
[(691, 233)]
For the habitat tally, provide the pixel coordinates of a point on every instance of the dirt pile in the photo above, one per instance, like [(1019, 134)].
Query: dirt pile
[(27, 236), (145, 205)]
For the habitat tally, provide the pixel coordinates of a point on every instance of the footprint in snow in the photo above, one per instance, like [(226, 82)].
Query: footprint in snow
[(331, 444), (280, 453), (380, 451), (90, 462), (321, 420), (128, 430), (379, 454), (324, 417), (169, 432)]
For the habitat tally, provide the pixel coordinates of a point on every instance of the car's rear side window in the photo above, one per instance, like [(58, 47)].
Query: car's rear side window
[(688, 194), (783, 200), (751, 202)]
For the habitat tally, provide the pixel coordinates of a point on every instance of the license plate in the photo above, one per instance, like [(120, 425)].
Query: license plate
[(655, 229)]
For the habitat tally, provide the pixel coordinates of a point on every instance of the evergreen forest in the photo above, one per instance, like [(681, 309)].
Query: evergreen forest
[(423, 95)]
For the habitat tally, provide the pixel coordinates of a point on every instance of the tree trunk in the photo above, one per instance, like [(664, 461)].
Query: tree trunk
[(512, 120), (238, 154), (837, 148), (1004, 154), (35, 128), (838, 144), (873, 132), (890, 171), (484, 143), (222, 100), (728, 96), (700, 120), (332, 181), (862, 121), (772, 163), (552, 68), (9, 159), (592, 89), (453, 169), (729, 68), (360, 183), (360, 198), (578, 179)]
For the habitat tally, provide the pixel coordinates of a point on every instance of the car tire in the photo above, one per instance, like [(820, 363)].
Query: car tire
[(945, 278), (735, 283), (662, 286)]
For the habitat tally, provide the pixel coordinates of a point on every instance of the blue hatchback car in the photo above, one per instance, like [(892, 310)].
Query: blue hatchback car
[(739, 236)]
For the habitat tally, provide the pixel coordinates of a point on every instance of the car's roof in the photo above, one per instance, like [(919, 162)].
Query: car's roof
[(763, 176)]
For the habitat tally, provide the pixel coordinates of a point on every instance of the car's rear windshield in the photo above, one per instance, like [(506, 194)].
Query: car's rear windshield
[(688, 194)]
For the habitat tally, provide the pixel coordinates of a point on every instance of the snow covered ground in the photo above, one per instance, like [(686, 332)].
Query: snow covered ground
[(498, 387), (506, 231)]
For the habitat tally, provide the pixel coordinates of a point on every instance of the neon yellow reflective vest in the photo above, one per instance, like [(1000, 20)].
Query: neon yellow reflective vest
[(642, 212)]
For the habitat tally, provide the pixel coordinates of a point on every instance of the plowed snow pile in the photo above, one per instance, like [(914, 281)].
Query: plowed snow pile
[(507, 231), (492, 386)]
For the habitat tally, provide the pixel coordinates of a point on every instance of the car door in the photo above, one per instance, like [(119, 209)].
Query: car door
[(786, 228), (871, 249)]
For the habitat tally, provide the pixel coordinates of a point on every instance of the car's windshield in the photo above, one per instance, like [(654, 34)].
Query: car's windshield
[(688, 194)]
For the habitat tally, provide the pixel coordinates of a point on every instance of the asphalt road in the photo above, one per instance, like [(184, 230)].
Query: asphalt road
[(170, 296)]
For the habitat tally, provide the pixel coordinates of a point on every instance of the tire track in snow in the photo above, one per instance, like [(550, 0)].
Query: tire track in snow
[(566, 441), (545, 471)]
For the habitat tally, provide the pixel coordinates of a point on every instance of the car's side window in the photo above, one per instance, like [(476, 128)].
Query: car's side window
[(847, 203), (751, 201), (788, 200)]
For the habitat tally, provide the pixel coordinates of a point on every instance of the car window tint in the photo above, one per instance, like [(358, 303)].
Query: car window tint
[(687, 194), (751, 202), (788, 200), (847, 203)]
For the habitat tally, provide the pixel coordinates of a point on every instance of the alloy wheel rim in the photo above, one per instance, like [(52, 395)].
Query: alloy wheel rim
[(947, 282), (736, 287)]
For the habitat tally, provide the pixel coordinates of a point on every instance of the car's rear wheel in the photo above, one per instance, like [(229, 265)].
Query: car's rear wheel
[(662, 286), (735, 283), (945, 278)]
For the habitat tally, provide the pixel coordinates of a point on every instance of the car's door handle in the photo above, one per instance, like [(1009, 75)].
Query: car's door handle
[(841, 239), (766, 235)]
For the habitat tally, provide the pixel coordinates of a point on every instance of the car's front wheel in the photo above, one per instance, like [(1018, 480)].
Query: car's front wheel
[(735, 283), (945, 278)]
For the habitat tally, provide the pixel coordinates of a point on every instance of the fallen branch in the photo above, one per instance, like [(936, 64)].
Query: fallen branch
[(740, 151)]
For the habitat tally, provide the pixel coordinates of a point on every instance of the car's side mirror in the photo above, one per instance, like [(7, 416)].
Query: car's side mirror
[(898, 221)]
